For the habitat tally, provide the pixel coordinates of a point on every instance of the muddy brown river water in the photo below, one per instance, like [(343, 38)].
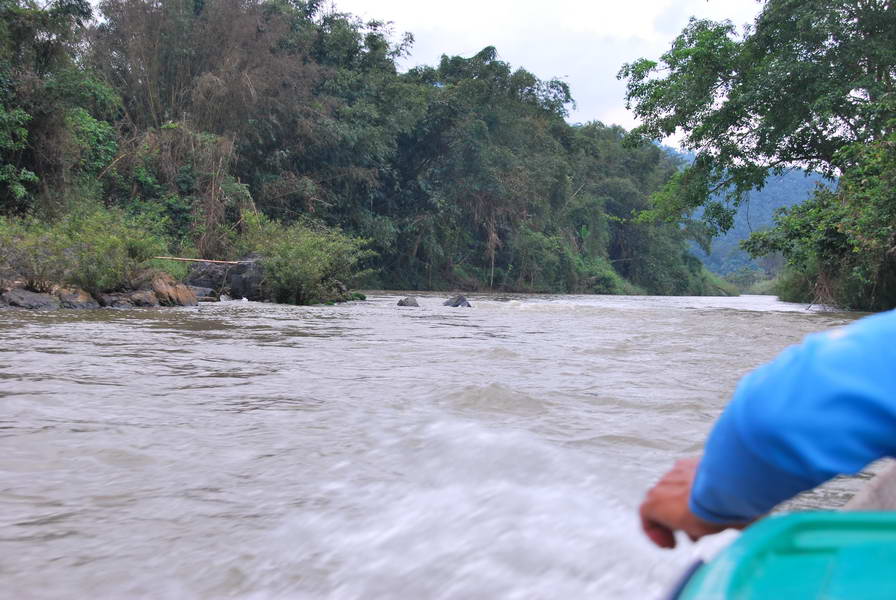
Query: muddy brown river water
[(245, 450)]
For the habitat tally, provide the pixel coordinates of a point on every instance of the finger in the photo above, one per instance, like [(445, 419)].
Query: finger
[(659, 534)]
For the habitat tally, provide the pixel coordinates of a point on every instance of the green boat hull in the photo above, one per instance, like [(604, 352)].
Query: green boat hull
[(802, 556)]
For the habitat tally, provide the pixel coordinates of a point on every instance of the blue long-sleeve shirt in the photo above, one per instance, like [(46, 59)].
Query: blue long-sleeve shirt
[(823, 408)]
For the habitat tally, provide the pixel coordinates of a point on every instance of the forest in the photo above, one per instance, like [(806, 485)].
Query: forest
[(285, 129), (139, 128)]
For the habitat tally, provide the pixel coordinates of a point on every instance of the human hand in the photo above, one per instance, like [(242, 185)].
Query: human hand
[(665, 508)]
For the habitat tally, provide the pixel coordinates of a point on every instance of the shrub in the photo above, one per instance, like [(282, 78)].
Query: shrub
[(304, 261), (794, 286), (599, 277), (712, 284), (841, 245), (32, 251), (107, 247), (94, 248)]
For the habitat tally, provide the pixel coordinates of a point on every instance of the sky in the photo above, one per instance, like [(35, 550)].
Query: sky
[(584, 43)]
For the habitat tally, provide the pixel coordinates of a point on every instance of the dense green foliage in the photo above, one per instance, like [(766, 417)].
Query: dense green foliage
[(193, 114), (812, 84), (301, 261), (97, 249), (842, 244)]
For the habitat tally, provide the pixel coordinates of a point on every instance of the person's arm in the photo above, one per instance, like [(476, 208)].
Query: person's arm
[(820, 409)]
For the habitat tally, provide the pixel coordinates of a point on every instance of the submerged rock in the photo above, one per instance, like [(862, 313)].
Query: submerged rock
[(21, 298), (457, 301), (76, 298), (409, 301)]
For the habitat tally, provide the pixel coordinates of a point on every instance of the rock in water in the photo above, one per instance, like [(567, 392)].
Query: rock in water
[(77, 298), (409, 301), (457, 301), (25, 299)]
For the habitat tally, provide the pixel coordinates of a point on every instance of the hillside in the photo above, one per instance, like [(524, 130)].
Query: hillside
[(780, 191)]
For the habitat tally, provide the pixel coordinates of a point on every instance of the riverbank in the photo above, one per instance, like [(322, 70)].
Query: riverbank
[(150, 288), (113, 256)]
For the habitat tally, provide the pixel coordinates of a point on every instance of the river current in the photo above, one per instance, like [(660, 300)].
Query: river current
[(361, 451)]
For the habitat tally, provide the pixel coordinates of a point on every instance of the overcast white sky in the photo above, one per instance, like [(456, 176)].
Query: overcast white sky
[(584, 43)]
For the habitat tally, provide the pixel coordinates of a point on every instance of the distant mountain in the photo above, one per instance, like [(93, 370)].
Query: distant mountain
[(755, 214)]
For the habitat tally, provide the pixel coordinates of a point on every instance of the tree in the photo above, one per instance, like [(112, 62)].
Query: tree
[(811, 85), (841, 245), (808, 78), (53, 129)]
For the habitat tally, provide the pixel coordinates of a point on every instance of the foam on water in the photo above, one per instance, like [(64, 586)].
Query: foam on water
[(472, 513)]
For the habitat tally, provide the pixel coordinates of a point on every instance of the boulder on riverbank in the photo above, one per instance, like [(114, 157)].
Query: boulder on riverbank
[(246, 278), (76, 298), (22, 298), (209, 276), (409, 301), (457, 301), (150, 288), (144, 298), (167, 291), (204, 294), (153, 288), (242, 280), (115, 300), (135, 299)]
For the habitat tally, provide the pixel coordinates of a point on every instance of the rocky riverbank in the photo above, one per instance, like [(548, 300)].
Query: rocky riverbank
[(206, 282), (150, 288)]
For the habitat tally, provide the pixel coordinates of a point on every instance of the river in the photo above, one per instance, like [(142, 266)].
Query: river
[(367, 451)]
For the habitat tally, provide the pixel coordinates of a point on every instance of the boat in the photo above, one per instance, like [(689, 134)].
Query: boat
[(814, 555)]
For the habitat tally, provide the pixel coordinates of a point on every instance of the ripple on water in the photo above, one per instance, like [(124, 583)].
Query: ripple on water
[(492, 398)]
